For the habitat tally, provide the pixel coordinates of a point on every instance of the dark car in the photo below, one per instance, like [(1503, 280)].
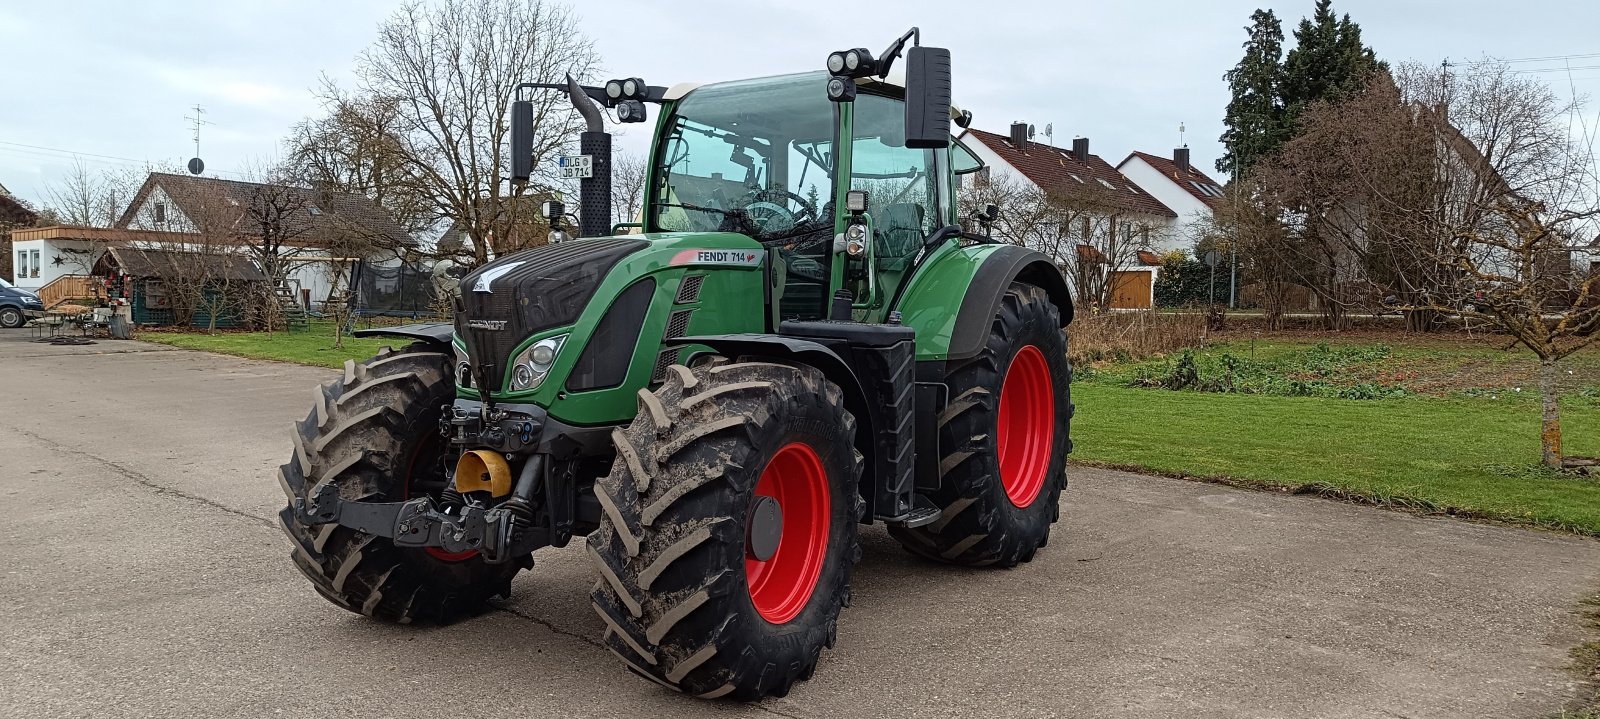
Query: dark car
[(17, 305)]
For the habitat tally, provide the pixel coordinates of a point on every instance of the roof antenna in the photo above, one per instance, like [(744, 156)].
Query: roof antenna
[(1050, 133), (1181, 143), (196, 165)]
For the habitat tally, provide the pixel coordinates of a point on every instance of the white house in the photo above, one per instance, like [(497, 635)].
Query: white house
[(1190, 193), (1103, 221)]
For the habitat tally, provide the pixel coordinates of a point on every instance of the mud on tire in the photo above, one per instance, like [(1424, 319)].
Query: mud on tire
[(981, 524), (671, 547), (374, 434)]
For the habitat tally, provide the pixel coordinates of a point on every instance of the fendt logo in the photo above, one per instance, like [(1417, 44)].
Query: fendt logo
[(491, 325), (740, 258)]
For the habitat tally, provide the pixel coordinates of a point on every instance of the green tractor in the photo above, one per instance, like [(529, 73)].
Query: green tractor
[(801, 339)]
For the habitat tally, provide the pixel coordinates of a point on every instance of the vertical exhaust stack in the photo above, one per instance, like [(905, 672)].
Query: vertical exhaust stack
[(1080, 149), (1019, 135), (594, 192), (1180, 157)]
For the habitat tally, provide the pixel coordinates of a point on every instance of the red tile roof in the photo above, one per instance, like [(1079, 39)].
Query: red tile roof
[(1056, 170), (1186, 180), (1149, 259)]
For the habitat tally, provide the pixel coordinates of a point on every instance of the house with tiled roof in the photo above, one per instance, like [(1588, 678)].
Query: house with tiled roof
[(1179, 185), (1107, 228)]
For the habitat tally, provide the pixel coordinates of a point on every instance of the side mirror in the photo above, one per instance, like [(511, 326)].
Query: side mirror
[(928, 97), (521, 140)]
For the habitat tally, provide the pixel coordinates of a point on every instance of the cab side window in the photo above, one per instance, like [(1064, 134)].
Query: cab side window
[(901, 185)]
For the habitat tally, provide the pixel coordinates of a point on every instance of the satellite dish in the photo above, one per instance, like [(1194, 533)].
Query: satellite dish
[(1030, 132), (196, 166)]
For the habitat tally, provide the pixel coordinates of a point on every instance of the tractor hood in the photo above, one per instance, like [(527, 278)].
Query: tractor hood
[(607, 307), (506, 301)]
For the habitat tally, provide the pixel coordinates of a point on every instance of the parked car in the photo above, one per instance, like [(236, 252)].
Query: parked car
[(17, 305)]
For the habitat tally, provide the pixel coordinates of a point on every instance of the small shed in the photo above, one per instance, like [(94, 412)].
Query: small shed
[(163, 285)]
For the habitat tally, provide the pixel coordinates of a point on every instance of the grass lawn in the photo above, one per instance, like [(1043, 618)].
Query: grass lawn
[(311, 345), (1455, 436)]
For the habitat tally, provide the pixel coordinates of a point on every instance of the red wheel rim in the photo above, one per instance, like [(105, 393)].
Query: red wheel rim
[(781, 586), (411, 467), (1026, 426)]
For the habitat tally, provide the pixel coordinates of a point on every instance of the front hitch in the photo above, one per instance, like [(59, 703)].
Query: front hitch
[(499, 534)]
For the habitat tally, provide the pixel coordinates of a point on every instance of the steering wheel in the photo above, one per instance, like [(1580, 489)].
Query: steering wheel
[(768, 210)]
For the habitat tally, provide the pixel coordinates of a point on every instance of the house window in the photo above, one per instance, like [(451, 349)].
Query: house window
[(1075, 177), (1108, 185), (160, 212), (22, 264), (33, 259), (314, 210)]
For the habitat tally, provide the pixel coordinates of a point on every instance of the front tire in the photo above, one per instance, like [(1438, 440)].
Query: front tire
[(12, 318), (1005, 441), (374, 433), (686, 596)]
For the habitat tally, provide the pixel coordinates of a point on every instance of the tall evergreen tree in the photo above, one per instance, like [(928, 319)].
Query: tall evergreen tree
[(1328, 62), (1255, 114)]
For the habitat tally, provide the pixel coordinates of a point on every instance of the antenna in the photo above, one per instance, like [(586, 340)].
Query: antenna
[(1050, 132), (1030, 132), (196, 166), (1180, 135)]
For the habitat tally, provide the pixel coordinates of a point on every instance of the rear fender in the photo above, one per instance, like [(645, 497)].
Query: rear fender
[(953, 300)]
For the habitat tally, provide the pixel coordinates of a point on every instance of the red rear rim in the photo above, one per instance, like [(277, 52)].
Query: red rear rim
[(1026, 426), (430, 447), (781, 586)]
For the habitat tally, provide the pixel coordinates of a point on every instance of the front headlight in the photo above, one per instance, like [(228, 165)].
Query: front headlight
[(531, 365)]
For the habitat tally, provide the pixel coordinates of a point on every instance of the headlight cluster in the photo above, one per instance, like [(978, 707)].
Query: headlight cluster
[(531, 365)]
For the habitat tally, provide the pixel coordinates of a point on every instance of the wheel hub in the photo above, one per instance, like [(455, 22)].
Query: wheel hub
[(764, 529), (1026, 426)]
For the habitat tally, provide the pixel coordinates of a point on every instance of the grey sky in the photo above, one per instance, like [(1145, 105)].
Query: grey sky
[(116, 79)]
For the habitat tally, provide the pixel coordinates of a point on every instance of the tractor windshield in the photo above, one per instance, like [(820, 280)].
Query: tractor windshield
[(752, 156)]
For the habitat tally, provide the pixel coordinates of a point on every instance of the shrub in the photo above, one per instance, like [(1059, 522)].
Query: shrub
[(1127, 336)]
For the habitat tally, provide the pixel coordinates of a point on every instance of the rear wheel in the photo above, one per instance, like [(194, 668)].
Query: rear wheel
[(1005, 441), (729, 529), (374, 433)]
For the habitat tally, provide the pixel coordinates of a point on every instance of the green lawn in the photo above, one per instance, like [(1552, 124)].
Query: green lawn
[(1456, 437), (311, 345)]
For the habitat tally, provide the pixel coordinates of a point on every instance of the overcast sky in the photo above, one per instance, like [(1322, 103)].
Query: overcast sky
[(112, 81)]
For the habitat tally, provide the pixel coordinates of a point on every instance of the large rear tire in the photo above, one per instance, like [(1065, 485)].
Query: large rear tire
[(374, 433), (684, 601), (1005, 441)]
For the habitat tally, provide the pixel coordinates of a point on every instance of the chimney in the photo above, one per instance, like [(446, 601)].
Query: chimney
[(1019, 135), (1180, 157), (1080, 148)]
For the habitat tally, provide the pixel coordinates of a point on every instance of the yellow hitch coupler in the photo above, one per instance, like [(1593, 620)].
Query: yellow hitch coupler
[(482, 470)]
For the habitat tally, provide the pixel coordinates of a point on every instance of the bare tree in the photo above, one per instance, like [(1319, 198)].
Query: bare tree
[(446, 72), (628, 174), (355, 148)]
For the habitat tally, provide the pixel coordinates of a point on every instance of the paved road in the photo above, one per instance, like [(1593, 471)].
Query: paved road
[(144, 576)]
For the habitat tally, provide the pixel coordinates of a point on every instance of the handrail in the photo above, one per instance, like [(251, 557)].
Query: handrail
[(67, 287)]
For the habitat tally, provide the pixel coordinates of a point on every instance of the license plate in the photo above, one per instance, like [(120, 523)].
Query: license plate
[(577, 166)]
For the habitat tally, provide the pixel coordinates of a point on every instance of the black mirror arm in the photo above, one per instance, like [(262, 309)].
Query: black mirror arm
[(886, 60)]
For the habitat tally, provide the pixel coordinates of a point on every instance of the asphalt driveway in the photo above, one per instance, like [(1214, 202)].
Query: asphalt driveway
[(144, 575)]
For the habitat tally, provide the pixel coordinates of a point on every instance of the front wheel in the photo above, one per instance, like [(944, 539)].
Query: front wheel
[(729, 529), (12, 318), (1004, 437), (374, 434)]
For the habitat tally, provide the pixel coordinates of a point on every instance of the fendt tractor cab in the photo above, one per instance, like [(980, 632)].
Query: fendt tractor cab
[(801, 339)]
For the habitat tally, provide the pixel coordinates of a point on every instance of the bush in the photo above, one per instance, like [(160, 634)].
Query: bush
[(1312, 373), (1127, 336)]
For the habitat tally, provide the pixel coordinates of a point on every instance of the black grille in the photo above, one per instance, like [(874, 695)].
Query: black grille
[(664, 360), (532, 290), (689, 291), (678, 323), (604, 362)]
